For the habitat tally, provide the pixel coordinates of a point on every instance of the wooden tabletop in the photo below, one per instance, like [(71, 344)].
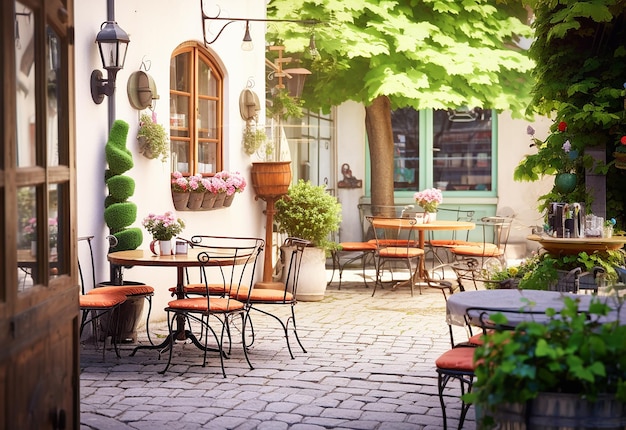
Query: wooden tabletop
[(434, 225), (139, 257), (572, 246)]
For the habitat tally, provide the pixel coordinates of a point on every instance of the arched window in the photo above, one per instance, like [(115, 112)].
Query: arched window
[(196, 100)]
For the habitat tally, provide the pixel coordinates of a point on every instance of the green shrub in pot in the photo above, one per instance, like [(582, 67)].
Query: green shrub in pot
[(310, 213)]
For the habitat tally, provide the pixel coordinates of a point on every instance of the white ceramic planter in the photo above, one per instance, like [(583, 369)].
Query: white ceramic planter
[(312, 280)]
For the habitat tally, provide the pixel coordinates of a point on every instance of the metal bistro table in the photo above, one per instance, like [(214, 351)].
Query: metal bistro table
[(536, 301), (140, 257), (409, 223)]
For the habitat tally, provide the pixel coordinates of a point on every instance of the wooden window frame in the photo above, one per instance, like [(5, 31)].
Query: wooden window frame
[(197, 53)]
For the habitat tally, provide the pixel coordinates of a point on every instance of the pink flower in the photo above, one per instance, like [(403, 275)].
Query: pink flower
[(429, 199)]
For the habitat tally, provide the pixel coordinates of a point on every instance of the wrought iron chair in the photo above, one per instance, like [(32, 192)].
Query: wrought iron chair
[(132, 290), (396, 243), (278, 294), (232, 260), (95, 306), (488, 254)]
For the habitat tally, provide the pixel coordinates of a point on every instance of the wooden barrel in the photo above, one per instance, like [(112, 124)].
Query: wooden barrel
[(271, 179), (559, 411)]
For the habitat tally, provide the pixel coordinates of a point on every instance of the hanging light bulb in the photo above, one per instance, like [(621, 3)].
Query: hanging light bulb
[(247, 44), (312, 48)]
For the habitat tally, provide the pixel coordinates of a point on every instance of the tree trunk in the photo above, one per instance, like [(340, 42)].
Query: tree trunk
[(380, 137)]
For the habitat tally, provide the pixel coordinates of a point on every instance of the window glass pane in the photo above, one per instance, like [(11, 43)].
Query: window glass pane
[(52, 71), (25, 97), (179, 115), (27, 237), (462, 149), (206, 85), (179, 72), (405, 124), (180, 156), (58, 227), (207, 119), (207, 157)]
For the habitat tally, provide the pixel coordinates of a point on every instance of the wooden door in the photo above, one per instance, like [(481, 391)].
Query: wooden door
[(39, 356)]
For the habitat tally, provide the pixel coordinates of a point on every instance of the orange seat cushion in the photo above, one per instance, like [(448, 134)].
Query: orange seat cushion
[(357, 246), (201, 289), (264, 295), (400, 252), (461, 358), (487, 250), (101, 300), (448, 242), (200, 304), (127, 290)]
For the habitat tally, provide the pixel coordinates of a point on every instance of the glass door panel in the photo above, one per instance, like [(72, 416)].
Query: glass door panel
[(52, 121), (25, 97)]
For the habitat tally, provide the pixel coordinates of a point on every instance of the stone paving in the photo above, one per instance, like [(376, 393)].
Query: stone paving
[(369, 365)]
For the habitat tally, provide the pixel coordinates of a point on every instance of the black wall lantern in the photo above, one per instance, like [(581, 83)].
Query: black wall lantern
[(112, 43)]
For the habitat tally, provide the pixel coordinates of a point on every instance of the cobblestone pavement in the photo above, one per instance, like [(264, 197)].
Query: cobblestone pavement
[(369, 365)]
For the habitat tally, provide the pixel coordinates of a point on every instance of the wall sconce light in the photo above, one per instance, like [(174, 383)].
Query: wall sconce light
[(112, 43)]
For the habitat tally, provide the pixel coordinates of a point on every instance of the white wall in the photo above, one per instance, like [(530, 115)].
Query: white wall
[(156, 28), (351, 149)]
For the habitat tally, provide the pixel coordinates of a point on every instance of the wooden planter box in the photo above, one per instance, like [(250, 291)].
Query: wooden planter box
[(559, 411)]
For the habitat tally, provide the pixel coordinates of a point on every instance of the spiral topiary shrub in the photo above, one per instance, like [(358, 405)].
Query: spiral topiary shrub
[(119, 214)]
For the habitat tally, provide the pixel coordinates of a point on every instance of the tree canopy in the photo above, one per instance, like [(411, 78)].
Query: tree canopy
[(421, 54), (389, 54)]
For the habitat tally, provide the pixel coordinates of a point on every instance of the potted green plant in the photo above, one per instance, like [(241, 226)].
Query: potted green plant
[(543, 271), (254, 138), (153, 139), (568, 371), (308, 212)]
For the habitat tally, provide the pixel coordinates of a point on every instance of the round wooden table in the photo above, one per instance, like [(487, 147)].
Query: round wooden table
[(573, 246), (463, 306), (409, 223), (140, 257)]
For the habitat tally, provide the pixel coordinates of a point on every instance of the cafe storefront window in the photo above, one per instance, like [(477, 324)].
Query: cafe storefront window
[(453, 150)]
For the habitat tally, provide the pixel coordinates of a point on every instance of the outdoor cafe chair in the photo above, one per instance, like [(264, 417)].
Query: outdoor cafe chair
[(96, 306), (267, 297), (472, 259), (231, 261), (396, 243)]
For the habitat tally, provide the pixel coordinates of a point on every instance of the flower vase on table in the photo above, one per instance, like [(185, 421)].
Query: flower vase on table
[(430, 217), (165, 247), (163, 228), (429, 200)]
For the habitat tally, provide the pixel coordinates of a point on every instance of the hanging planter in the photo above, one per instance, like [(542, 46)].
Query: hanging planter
[(620, 160), (565, 183)]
